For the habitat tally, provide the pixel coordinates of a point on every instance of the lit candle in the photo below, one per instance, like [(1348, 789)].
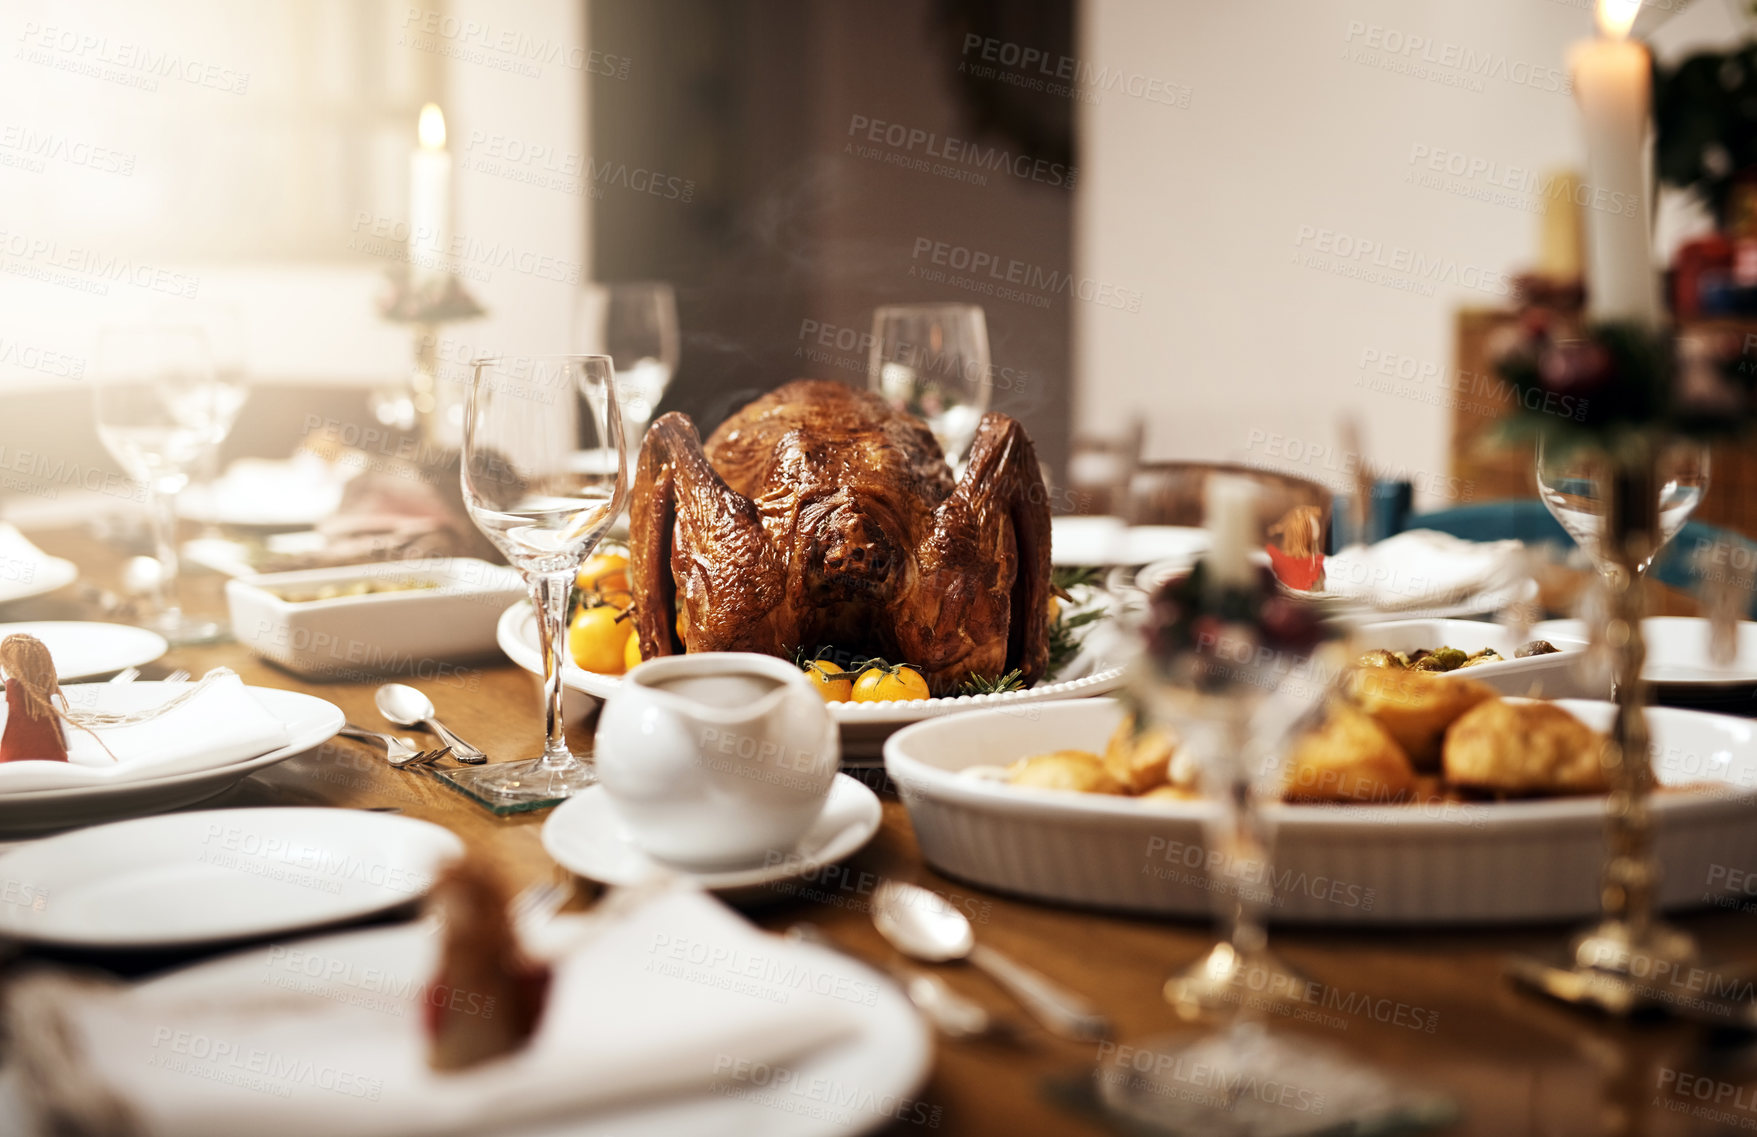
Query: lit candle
[(429, 198), (1612, 83), (1231, 507)]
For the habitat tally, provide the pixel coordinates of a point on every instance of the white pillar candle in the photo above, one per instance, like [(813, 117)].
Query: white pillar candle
[(1230, 505), (1612, 83), (429, 198)]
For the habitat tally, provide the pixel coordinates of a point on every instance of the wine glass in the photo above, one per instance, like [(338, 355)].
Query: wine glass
[(635, 324), (159, 407), (931, 360), (1572, 482), (544, 476), (224, 327)]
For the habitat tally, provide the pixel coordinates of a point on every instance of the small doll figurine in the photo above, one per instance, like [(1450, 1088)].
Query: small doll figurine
[(33, 721), (488, 995)]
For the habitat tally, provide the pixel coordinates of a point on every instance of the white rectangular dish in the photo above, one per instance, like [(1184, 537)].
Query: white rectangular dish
[(1551, 676), (1502, 862), (418, 633)]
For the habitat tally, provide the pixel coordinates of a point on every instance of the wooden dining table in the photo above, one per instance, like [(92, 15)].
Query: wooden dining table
[(1430, 1007)]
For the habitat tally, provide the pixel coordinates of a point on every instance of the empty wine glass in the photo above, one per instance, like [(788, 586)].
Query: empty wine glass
[(635, 324), (1572, 483), (544, 476), (931, 360), (159, 407), (223, 325)]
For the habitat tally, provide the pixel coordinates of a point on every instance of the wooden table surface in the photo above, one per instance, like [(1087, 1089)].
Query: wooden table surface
[(1514, 1063)]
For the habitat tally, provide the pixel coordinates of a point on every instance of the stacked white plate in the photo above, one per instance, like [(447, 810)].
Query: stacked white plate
[(308, 722)]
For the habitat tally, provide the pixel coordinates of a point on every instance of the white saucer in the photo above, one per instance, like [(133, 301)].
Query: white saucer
[(218, 875), (586, 836), (85, 649)]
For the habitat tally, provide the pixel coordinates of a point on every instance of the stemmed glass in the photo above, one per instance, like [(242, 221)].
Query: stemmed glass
[(224, 328), (1235, 667), (544, 476), (932, 361), (635, 324), (1572, 482), (159, 407)]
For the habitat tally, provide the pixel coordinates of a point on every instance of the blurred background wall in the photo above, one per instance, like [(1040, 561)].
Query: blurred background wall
[(1156, 243)]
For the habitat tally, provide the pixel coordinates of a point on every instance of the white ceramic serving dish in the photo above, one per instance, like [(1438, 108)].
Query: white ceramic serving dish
[(864, 726), (1503, 862), (414, 633), (310, 723), (1551, 676)]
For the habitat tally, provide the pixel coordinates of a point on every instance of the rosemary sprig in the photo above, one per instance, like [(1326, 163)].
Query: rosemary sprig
[(1013, 680)]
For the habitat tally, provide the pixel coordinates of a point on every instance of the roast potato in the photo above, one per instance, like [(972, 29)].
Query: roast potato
[(1078, 770), (1522, 749), (1350, 757), (1416, 707), (1139, 757)]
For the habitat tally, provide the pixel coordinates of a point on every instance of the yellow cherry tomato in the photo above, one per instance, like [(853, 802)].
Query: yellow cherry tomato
[(597, 639), (883, 685), (603, 573), (819, 671), (631, 654)]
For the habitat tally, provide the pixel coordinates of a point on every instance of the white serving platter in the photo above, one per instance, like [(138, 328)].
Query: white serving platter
[(864, 726), (1488, 863)]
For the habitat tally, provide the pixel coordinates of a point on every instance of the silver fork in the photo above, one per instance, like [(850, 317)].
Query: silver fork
[(181, 675), (124, 677), (399, 752), (538, 904)]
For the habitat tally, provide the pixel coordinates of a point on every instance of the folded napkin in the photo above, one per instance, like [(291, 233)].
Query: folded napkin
[(222, 724), (659, 993), (22, 564), (1418, 568)]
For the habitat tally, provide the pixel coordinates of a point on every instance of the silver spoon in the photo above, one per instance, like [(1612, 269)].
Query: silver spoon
[(952, 1013), (405, 706), (922, 924)]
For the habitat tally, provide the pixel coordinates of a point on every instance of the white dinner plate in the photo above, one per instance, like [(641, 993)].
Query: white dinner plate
[(310, 722), (1451, 863), (1080, 540), (85, 649), (586, 836), (22, 579), (864, 726), (1677, 656), (856, 1086), (262, 493), (217, 875)]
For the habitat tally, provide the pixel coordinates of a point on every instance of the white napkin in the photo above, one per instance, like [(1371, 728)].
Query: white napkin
[(22, 564), (223, 724), (1417, 568), (672, 994)]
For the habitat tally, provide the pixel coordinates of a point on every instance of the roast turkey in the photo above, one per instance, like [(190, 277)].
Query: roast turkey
[(818, 516)]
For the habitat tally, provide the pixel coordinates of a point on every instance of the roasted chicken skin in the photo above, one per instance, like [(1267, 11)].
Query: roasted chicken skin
[(817, 515)]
